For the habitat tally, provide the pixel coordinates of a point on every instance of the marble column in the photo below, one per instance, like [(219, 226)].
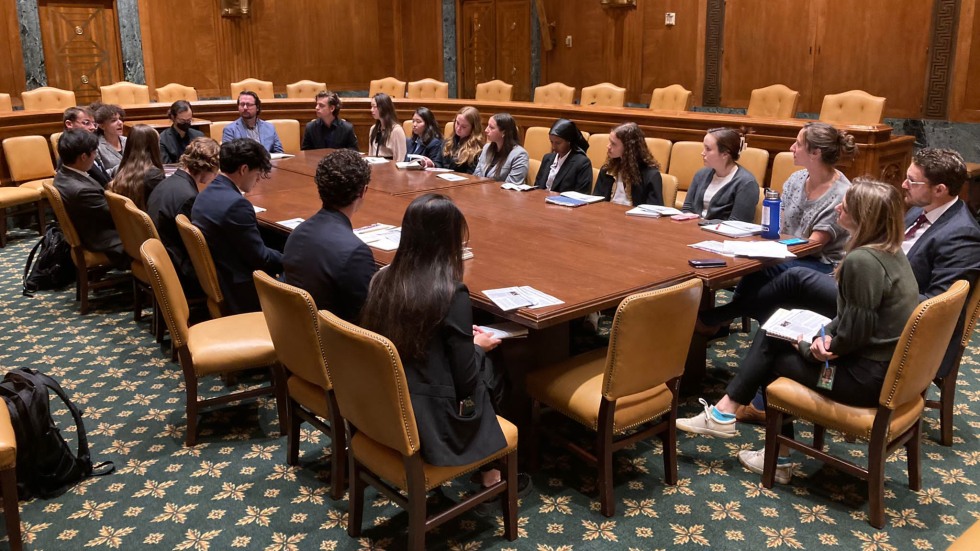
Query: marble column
[(30, 43), (449, 46), (132, 41)]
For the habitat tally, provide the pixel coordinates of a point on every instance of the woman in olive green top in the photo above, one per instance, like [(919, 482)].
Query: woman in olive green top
[(877, 293)]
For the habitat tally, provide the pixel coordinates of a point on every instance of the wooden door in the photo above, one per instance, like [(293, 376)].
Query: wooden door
[(81, 45), (477, 31), (494, 43), (514, 46)]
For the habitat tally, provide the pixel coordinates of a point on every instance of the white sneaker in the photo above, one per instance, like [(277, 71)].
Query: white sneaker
[(755, 460), (705, 423)]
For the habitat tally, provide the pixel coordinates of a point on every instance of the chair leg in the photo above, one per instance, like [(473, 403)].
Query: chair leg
[(137, 301), (669, 440), (191, 384), (83, 289), (510, 498), (819, 433), (338, 441), (912, 454), (355, 511), (416, 519), (604, 457), (876, 483), (535, 448), (40, 217), (3, 227), (774, 425), (292, 435), (11, 510), (279, 391), (947, 396)]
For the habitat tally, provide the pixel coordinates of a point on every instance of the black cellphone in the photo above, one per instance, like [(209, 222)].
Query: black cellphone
[(707, 263)]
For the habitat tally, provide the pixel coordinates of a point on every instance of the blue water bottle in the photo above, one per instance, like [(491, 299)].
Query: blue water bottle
[(770, 215)]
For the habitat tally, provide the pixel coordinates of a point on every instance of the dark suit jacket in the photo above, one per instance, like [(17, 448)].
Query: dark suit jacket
[(325, 258), (88, 210), (172, 146), (432, 150), (175, 195), (450, 373), (340, 135), (227, 220), (736, 201), (649, 192), (575, 173)]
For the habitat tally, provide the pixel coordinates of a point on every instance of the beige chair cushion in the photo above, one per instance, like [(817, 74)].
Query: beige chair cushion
[(853, 107), (390, 85), (13, 196), (555, 93), (173, 92), (5, 105), (536, 142), (672, 98), (755, 160), (125, 93), (428, 88), (8, 442), (782, 168), (495, 90), (305, 89), (218, 129), (262, 88), (312, 397), (289, 134), (598, 144), (603, 95), (776, 101), (390, 465), (46, 97), (231, 343), (533, 167), (28, 158), (660, 149)]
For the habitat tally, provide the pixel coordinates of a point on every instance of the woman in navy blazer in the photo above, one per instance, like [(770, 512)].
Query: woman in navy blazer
[(631, 176), (425, 139), (571, 166)]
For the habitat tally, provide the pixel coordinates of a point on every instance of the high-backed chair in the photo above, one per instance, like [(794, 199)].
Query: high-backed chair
[(389, 85), (619, 391), (660, 148), (448, 130), (135, 227), (54, 139), (46, 97), (218, 130), (125, 93), (853, 107), (536, 142), (428, 88), (893, 424), (173, 92), (289, 134), (14, 197), (782, 168), (262, 88), (968, 541), (685, 161), (407, 128), (670, 189), (533, 167), (756, 161), (294, 326), (5, 104), (595, 175), (947, 384), (555, 93), (219, 346), (672, 98), (775, 102), (30, 166), (495, 90), (305, 89), (372, 392), (90, 266), (8, 480), (207, 274), (604, 94), (598, 144)]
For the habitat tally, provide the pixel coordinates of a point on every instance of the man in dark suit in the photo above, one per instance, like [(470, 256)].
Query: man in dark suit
[(322, 255), (84, 198), (227, 220), (81, 118), (328, 129)]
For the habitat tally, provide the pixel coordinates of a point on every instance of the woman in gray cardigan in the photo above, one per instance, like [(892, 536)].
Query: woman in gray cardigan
[(723, 190), (503, 159)]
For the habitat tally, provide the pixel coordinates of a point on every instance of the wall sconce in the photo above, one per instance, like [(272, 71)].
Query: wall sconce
[(235, 8), (618, 3)]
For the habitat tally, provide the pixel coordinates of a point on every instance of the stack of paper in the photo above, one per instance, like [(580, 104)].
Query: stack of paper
[(506, 330), (449, 176), (734, 228), (291, 223), (410, 165), (512, 298), (380, 236), (583, 196), (375, 160), (653, 211), (753, 249), (517, 187)]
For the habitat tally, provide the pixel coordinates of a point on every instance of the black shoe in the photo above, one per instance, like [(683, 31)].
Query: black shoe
[(489, 508)]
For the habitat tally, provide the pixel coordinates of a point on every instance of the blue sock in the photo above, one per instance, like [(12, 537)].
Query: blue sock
[(721, 415), (782, 461)]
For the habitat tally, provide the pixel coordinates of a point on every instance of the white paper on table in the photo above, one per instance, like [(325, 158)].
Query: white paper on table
[(452, 177), (759, 249), (292, 223), (258, 209), (375, 160), (506, 330), (516, 187), (437, 169), (716, 247), (508, 298), (583, 196), (380, 236), (276, 156)]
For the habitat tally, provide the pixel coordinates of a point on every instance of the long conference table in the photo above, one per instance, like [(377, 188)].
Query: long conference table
[(591, 257)]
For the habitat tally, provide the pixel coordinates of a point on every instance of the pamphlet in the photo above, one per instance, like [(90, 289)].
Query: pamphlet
[(795, 325), (380, 236), (733, 228), (449, 176), (258, 209), (410, 165), (564, 201), (652, 211), (277, 156), (516, 187), (291, 223), (506, 330), (375, 160), (753, 249), (512, 298), (583, 196)]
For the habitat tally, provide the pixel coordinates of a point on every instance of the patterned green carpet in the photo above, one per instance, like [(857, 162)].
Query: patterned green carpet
[(234, 490)]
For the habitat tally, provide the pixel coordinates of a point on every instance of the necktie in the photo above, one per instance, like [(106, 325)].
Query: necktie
[(909, 233)]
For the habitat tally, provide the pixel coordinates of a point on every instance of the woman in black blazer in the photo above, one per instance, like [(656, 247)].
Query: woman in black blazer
[(567, 167), (420, 303), (631, 176), (426, 139)]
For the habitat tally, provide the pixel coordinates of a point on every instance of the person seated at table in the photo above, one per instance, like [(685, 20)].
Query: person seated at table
[(421, 304), (328, 130), (249, 125), (462, 152), (503, 159), (140, 170), (82, 118), (175, 139), (426, 138), (322, 255), (877, 293), (112, 143), (567, 167), (386, 137), (723, 190), (175, 195), (809, 210), (227, 220), (631, 176)]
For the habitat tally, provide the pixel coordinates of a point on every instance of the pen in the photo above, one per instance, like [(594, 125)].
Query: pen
[(823, 335)]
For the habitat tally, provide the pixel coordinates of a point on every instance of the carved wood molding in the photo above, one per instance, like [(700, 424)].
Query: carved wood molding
[(941, 50), (714, 40)]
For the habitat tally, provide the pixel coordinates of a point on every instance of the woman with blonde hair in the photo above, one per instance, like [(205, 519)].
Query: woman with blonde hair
[(877, 292), (141, 168), (461, 152), (386, 137), (631, 176)]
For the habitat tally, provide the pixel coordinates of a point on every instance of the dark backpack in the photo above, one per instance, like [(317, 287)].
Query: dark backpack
[(46, 466), (53, 267)]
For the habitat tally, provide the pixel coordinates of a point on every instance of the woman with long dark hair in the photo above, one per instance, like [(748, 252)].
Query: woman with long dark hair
[(386, 137), (426, 139), (462, 152), (631, 176), (141, 168), (503, 159)]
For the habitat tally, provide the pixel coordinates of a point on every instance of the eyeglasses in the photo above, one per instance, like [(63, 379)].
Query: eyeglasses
[(911, 182)]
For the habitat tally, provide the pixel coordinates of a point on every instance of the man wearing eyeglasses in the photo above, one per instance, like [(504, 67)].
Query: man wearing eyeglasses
[(249, 125)]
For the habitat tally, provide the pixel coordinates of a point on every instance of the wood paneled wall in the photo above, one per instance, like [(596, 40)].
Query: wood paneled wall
[(11, 55), (965, 103)]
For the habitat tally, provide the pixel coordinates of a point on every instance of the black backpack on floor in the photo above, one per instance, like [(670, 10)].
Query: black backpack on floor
[(46, 465), (53, 267)]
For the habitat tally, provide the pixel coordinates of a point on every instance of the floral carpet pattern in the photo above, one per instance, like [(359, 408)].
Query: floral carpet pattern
[(235, 491)]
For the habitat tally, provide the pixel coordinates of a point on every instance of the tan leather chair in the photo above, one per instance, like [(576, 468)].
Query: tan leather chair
[(853, 107), (305, 89), (8, 480), (669, 188), (585, 135), (407, 128), (685, 161), (533, 167), (289, 134), (135, 227), (555, 93), (428, 88), (495, 90), (173, 92), (294, 326), (894, 423), (604, 94), (947, 384), (90, 266), (5, 105), (48, 98), (29, 163), (660, 149), (207, 274), (218, 129), (776, 102), (17, 196), (389, 85), (595, 176), (373, 396), (754, 160), (598, 144), (536, 142), (262, 88), (447, 131), (54, 139), (968, 541), (782, 169), (619, 391), (672, 98), (220, 346), (125, 93)]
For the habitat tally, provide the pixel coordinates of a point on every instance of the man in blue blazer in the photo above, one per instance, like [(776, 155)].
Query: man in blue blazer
[(322, 255), (227, 220), (249, 125)]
